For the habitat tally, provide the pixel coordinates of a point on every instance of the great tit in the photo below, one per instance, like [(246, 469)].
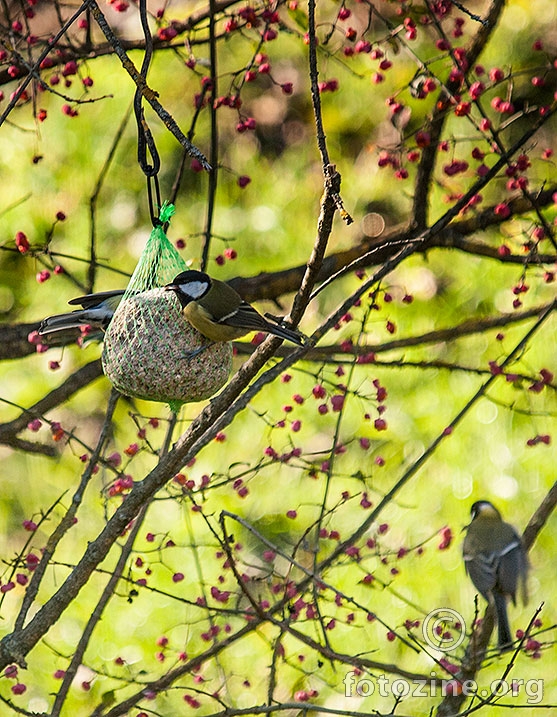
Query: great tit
[(219, 313), (496, 562), (98, 309)]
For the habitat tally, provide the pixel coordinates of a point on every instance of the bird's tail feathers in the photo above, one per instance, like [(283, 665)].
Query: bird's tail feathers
[(505, 639), (62, 322), (297, 337), (96, 317)]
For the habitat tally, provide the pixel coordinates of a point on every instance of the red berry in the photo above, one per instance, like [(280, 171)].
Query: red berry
[(423, 139), (496, 74), (318, 391), (502, 210), (362, 46), (43, 276), (167, 33), (70, 68), (337, 402), (22, 243)]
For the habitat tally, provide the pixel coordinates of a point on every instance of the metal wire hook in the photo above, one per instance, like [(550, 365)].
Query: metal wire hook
[(145, 142), (153, 180)]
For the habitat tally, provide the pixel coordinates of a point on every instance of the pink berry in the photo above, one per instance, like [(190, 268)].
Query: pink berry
[(502, 210), (318, 391), (43, 276), (70, 68), (21, 242), (496, 74), (337, 402)]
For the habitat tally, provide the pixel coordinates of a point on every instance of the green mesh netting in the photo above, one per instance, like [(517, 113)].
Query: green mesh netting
[(159, 262), (148, 344)]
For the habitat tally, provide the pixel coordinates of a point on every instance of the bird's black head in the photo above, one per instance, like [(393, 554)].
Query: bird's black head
[(190, 286), (484, 508)]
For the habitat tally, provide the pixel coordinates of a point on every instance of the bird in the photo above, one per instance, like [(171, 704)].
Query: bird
[(219, 313), (496, 562), (97, 311)]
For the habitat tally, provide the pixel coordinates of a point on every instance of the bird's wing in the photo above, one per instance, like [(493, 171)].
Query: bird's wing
[(99, 310), (513, 566), (239, 314), (99, 297), (482, 569), (245, 316)]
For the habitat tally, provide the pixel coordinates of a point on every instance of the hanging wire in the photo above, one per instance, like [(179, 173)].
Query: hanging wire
[(145, 142)]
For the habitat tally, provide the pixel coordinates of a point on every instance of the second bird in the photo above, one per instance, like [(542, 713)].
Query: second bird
[(496, 562), (219, 313)]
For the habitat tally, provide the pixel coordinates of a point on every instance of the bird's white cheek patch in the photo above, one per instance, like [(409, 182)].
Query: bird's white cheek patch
[(195, 289)]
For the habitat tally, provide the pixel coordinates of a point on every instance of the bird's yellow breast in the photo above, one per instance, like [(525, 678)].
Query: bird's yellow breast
[(201, 320)]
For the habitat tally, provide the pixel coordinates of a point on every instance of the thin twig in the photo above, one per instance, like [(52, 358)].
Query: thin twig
[(32, 71), (149, 94), (214, 156), (107, 593), (62, 528), (92, 265), (435, 126)]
